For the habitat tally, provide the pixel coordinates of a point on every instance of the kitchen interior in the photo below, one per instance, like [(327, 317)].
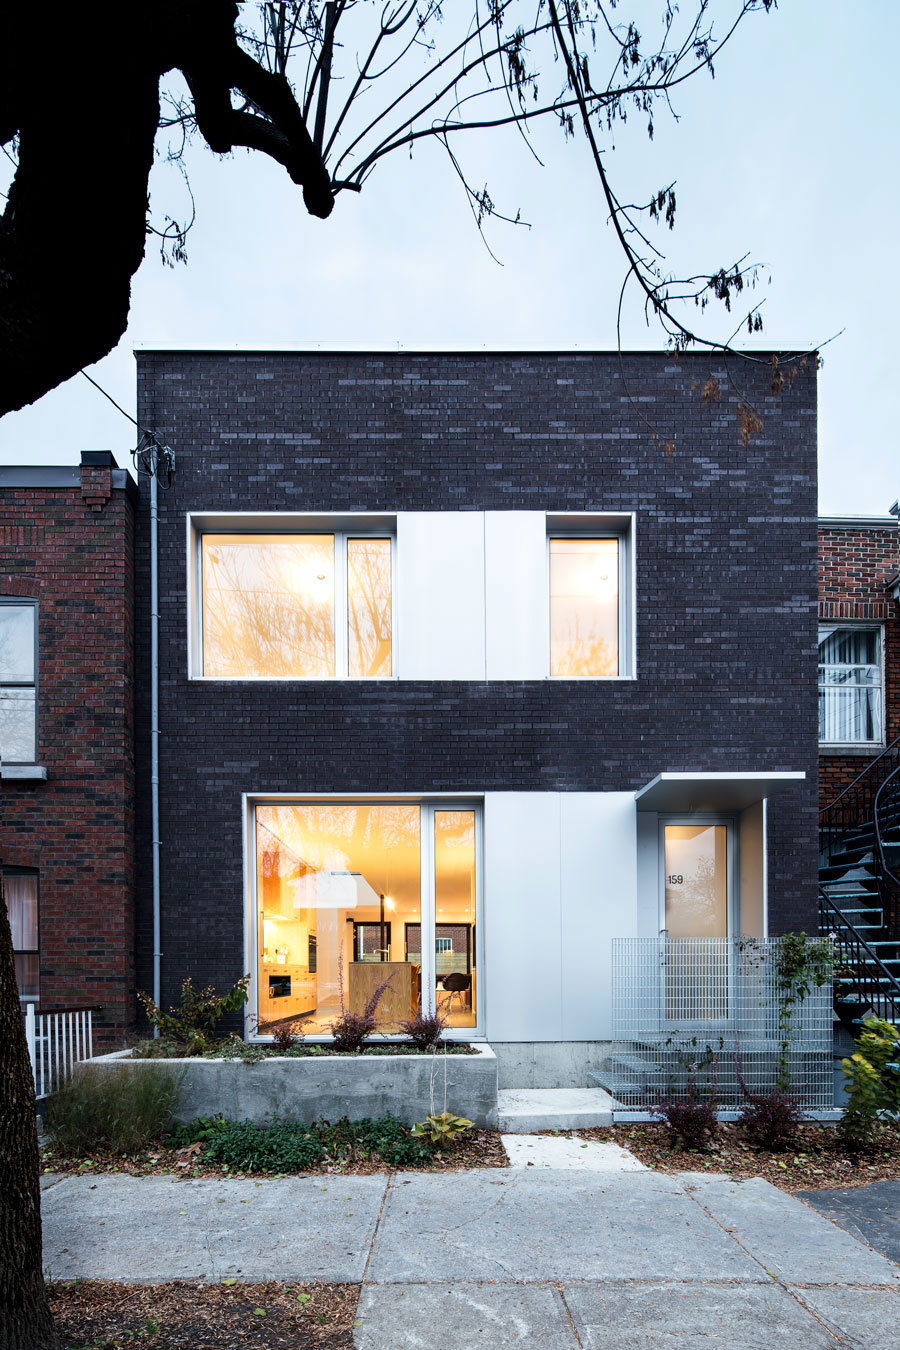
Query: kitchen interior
[(339, 911)]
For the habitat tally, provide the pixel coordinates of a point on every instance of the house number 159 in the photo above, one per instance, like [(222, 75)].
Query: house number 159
[(676, 879)]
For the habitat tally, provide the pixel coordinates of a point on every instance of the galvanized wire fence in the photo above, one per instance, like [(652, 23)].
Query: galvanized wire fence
[(700, 1014)]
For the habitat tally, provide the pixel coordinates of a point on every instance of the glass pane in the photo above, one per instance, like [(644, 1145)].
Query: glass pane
[(17, 644), (584, 607), (338, 885), (848, 713), (696, 882), (850, 646), (268, 605), (28, 978), (454, 927), (22, 905), (369, 606), (17, 726)]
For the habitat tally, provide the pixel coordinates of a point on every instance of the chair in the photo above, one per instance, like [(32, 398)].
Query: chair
[(458, 983)]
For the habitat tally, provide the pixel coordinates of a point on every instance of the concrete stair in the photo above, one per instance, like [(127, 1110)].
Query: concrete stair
[(529, 1110)]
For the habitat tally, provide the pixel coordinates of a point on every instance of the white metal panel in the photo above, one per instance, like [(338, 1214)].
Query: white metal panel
[(752, 864), (523, 957), (598, 869), (647, 874), (517, 604), (440, 595)]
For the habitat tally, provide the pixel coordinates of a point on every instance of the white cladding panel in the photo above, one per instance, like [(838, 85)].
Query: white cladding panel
[(440, 595), (523, 957), (517, 595), (598, 869)]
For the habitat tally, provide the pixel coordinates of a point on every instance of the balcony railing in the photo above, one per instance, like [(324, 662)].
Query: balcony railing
[(709, 1011)]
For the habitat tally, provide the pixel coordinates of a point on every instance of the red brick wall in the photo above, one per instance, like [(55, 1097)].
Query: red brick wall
[(855, 564), (73, 551)]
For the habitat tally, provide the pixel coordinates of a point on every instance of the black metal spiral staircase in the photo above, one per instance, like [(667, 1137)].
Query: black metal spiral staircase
[(859, 891)]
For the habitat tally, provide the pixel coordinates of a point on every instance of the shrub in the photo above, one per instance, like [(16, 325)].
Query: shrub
[(285, 1146), (114, 1111), (770, 1120), (873, 1084), (192, 1023), (424, 1029), (692, 1123), (351, 1029), (286, 1031)]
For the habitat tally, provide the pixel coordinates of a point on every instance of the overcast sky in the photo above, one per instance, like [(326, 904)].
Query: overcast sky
[(789, 154)]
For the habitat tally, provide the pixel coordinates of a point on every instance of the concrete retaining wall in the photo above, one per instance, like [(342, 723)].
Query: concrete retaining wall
[(328, 1088)]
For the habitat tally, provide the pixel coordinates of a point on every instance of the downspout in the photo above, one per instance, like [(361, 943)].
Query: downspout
[(154, 724)]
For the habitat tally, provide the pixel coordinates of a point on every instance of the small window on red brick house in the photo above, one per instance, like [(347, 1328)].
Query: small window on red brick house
[(851, 708), (20, 886), (18, 681)]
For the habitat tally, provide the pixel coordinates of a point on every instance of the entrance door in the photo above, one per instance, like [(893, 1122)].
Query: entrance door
[(696, 858)]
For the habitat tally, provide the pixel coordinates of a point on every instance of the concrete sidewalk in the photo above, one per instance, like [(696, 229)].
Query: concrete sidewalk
[(468, 1260)]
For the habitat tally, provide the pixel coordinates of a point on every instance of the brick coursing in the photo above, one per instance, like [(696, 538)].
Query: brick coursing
[(75, 556), (856, 563), (726, 586)]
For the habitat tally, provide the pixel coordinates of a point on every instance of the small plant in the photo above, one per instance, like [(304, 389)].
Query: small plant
[(115, 1111), (191, 1024), (424, 1029), (801, 963), (351, 1029), (442, 1129), (286, 1031), (692, 1122), (770, 1120), (872, 1076), (284, 1146)]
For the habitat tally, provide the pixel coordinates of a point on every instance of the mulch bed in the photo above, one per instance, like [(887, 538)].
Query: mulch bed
[(818, 1162), (478, 1148), (101, 1315)]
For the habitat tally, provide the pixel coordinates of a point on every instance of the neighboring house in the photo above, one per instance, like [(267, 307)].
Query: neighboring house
[(859, 645), (469, 664), (67, 735)]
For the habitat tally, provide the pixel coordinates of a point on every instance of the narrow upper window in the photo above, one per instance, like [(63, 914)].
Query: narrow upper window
[(18, 680), (301, 606), (585, 611), (850, 686)]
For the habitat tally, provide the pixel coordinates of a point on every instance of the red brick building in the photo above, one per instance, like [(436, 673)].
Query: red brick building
[(67, 734), (859, 645)]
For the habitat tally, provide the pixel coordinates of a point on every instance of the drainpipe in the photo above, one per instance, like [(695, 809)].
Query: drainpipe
[(154, 723)]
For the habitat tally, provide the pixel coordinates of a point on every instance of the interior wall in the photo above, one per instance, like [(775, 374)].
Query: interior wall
[(752, 870)]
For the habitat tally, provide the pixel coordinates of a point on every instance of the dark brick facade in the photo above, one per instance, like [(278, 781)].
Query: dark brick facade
[(725, 571), (857, 564), (67, 540)]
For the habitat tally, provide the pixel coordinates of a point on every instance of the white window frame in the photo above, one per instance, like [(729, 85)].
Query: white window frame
[(342, 526), (601, 525), (859, 625), (25, 602)]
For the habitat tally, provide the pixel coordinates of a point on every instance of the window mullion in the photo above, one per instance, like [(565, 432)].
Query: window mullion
[(341, 606), (427, 904)]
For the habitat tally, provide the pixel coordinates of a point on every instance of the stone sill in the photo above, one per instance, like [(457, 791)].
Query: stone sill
[(24, 773)]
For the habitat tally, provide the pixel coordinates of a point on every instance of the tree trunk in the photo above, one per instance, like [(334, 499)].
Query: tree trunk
[(25, 1319)]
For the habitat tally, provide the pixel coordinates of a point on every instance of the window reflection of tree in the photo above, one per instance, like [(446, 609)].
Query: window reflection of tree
[(337, 836), (577, 653), (268, 607), (369, 606), (701, 899)]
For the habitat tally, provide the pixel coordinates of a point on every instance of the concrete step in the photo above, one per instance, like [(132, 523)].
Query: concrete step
[(529, 1110)]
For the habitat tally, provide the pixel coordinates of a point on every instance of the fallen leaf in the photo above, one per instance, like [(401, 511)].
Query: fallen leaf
[(230, 1280)]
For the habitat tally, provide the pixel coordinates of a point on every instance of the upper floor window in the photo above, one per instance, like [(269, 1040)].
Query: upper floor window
[(18, 681), (20, 887), (586, 619), (296, 606), (850, 686)]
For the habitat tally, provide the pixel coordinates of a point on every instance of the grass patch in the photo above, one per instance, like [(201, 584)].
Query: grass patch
[(116, 1111)]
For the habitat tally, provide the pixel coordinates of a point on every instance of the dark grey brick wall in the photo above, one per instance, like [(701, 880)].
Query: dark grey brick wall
[(726, 585)]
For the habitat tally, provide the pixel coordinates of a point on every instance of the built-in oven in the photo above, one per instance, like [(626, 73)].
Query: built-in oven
[(279, 986)]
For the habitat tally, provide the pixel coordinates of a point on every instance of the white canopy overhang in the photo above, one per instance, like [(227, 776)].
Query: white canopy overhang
[(688, 792)]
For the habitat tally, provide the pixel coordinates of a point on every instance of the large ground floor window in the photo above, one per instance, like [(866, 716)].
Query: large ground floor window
[(351, 896)]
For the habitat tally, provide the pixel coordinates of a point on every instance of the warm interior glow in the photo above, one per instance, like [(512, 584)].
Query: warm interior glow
[(454, 930), (369, 607), (584, 607), (268, 605)]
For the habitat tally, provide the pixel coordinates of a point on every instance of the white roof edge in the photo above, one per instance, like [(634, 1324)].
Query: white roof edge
[(716, 776), (885, 522)]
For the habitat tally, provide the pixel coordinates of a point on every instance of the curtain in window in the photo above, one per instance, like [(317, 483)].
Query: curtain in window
[(849, 685), (21, 901)]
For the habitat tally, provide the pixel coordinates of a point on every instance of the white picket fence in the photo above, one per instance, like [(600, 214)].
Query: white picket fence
[(56, 1042)]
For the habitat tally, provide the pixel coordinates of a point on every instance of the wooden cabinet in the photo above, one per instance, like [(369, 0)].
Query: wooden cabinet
[(302, 998), (400, 999)]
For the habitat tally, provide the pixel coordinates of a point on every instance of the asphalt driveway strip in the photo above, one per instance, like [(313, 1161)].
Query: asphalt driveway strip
[(870, 1213), (557, 1260)]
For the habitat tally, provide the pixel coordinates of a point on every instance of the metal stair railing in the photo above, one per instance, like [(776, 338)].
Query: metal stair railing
[(854, 806), (886, 815), (878, 988)]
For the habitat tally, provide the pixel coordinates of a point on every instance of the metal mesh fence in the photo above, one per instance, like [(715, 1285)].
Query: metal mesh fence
[(709, 1012)]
